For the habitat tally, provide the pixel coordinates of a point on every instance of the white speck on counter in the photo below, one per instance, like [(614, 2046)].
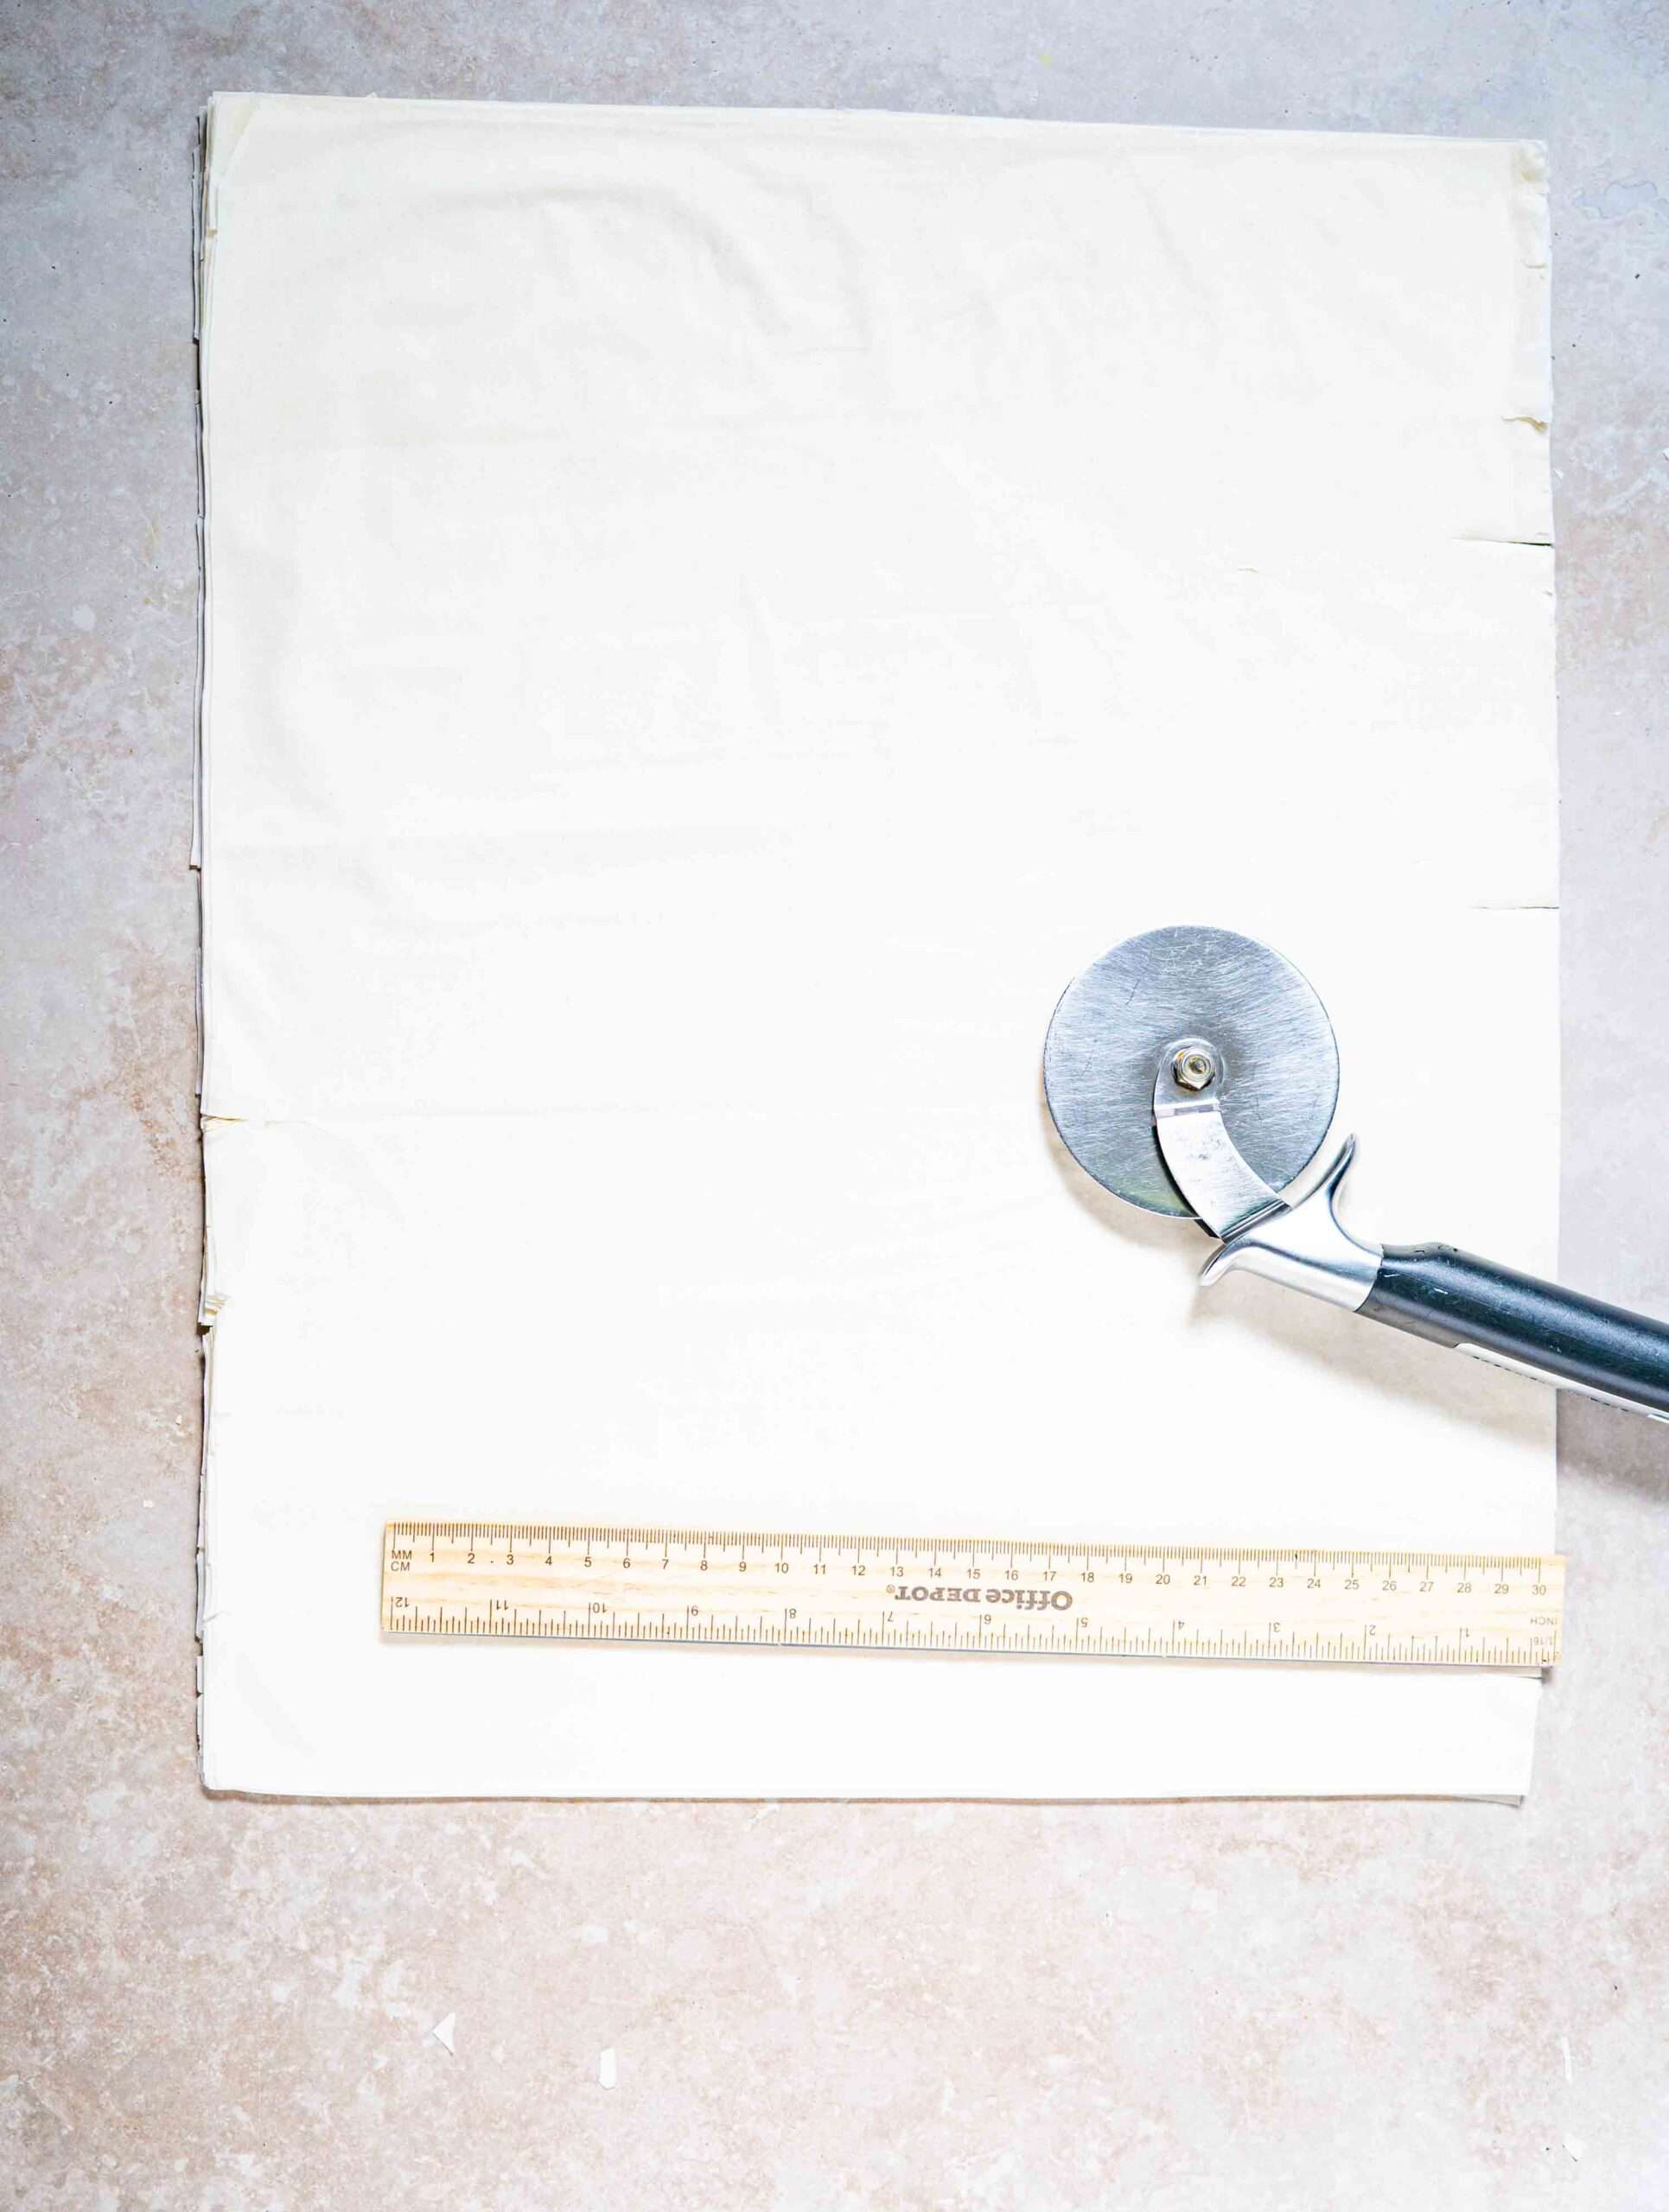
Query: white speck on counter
[(1564, 2053), (606, 2069), (1572, 2148), (442, 2029)]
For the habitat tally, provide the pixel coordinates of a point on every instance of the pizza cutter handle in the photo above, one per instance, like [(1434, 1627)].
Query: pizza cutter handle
[(1471, 1305), (1518, 1322)]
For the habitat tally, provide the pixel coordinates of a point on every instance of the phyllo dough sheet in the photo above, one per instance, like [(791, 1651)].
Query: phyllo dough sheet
[(712, 619)]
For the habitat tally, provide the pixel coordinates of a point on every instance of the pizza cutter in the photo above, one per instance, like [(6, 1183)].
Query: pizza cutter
[(1193, 1071)]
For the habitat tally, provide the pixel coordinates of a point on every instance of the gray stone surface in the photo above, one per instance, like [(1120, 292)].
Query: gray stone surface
[(225, 2006)]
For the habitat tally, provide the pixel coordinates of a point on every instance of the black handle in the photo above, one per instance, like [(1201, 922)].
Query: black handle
[(1434, 1291)]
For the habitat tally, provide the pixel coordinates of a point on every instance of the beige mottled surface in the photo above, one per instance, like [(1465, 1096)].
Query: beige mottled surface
[(225, 2006)]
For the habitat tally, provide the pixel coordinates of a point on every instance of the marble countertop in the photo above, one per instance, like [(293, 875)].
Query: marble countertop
[(227, 2004)]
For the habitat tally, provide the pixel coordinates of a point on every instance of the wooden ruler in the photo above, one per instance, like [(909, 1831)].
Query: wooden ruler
[(571, 1584)]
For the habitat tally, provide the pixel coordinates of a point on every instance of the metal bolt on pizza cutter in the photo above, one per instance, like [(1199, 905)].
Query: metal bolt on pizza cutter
[(1193, 1071)]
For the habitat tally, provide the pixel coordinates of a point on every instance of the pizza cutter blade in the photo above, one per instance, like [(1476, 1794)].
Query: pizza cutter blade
[(1193, 1072), (1134, 1009)]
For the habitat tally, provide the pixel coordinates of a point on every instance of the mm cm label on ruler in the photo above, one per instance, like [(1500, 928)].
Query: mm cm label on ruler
[(569, 1583)]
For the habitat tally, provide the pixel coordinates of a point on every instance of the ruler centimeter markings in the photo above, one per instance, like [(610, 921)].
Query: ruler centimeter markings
[(569, 1583)]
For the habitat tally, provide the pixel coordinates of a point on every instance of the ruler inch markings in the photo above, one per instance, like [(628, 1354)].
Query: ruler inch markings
[(595, 1583)]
